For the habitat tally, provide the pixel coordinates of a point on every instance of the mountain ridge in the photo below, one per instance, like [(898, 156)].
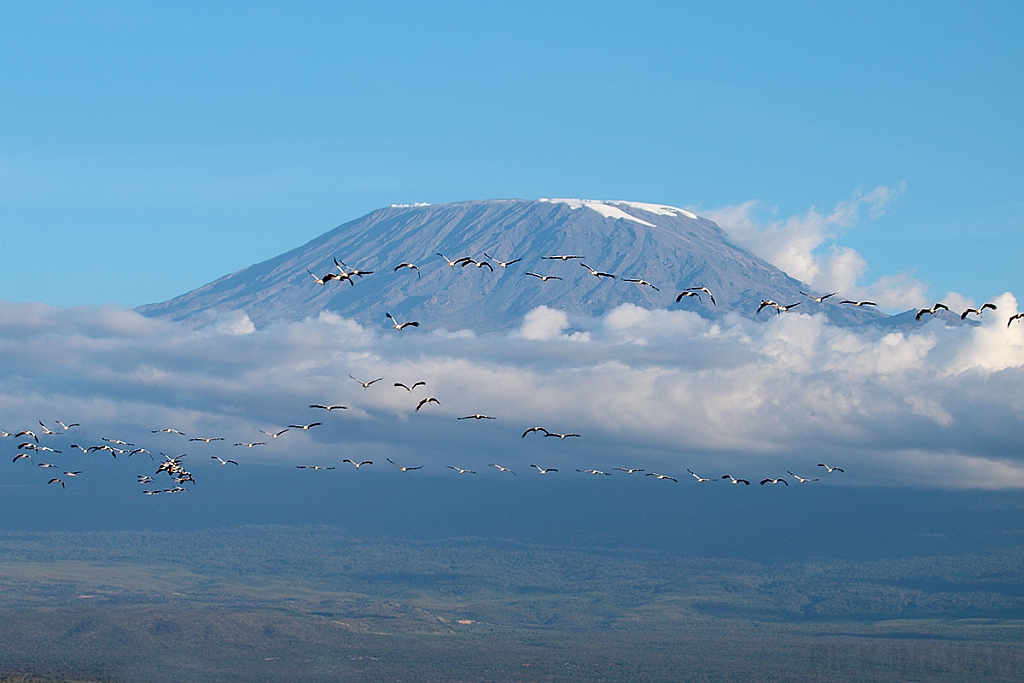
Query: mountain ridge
[(670, 247)]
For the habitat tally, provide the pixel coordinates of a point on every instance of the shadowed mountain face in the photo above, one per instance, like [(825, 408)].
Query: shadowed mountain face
[(670, 248)]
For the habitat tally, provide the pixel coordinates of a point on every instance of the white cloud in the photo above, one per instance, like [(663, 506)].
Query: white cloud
[(938, 406), (804, 247)]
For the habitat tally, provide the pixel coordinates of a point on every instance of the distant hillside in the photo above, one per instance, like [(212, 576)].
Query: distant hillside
[(670, 248)]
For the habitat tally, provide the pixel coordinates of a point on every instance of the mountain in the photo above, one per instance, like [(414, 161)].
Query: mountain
[(667, 246)]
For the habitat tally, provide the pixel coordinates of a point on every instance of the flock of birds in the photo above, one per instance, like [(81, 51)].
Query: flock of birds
[(31, 449)]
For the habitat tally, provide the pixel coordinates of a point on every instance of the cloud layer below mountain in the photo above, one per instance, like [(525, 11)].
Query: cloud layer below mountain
[(665, 390)]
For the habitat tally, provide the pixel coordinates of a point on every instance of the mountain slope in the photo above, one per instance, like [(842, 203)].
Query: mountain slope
[(669, 247)]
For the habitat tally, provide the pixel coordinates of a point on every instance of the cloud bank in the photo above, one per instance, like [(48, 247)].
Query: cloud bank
[(666, 390)]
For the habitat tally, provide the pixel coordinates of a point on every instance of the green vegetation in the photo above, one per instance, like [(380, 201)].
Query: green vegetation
[(310, 603)]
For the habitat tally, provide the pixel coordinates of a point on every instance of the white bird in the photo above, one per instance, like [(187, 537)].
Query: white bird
[(501, 469), (425, 401), (479, 264), (207, 439), (705, 290), (152, 493), (84, 450), (560, 257), (353, 272), (628, 470), (560, 436), (642, 283), (774, 481), (327, 408), (477, 416), (119, 442), (765, 303), (410, 266), (593, 472), (699, 479), (933, 310), (305, 428), (145, 479), (19, 456), (401, 326), (451, 263), (963, 316), (830, 469), (819, 299), (858, 303), (535, 429), (543, 470), (357, 465), (46, 430), (46, 464), (544, 278), (503, 264), (274, 435), (72, 474), (734, 481), (460, 470), (34, 447), (250, 445), (596, 273), (67, 427), (313, 467), (661, 476), (140, 450), (222, 461), (55, 480), (4, 434), (365, 385), (167, 431), (801, 479), (408, 388), (403, 468), (28, 432), (687, 293)]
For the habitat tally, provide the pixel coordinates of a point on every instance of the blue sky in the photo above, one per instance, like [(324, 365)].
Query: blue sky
[(146, 149)]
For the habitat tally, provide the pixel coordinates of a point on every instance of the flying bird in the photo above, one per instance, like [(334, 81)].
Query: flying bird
[(642, 283), (702, 289), (765, 303), (661, 476), (19, 456), (819, 299), (408, 388), (734, 481), (274, 435), (774, 481), (222, 461), (699, 479), (365, 385), (801, 479), (544, 278), (327, 408), (67, 427), (535, 429), (933, 310), (250, 445), (305, 428), (46, 464), (460, 470), (479, 264), (596, 273), (145, 479), (401, 326), (72, 474), (543, 470), (121, 443), (500, 468), (830, 469), (46, 430), (425, 402), (404, 469), (478, 416), (410, 266), (858, 303), (561, 257), (28, 432), (357, 465), (593, 472), (691, 294), (167, 431), (454, 263), (81, 448), (963, 316), (140, 450), (55, 480), (354, 272), (560, 436), (628, 470), (152, 493), (503, 264), (1012, 318), (207, 439), (784, 309), (315, 468), (326, 278)]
